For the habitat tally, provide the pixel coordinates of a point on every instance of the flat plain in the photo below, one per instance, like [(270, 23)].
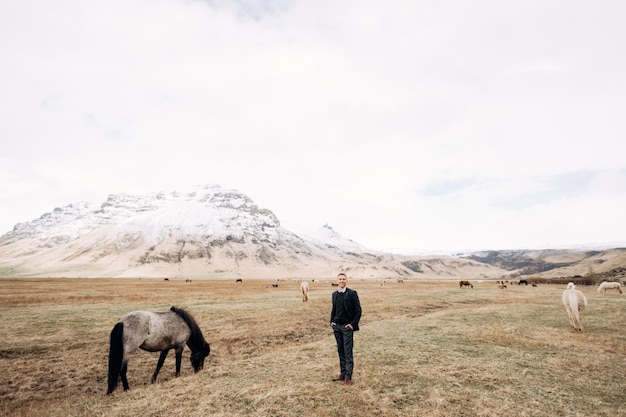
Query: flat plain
[(426, 348)]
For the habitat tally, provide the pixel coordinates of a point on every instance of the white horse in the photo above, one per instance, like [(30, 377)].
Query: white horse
[(574, 302), (610, 286), (304, 289)]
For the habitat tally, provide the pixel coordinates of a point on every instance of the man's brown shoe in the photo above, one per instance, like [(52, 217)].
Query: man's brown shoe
[(339, 378), (348, 382)]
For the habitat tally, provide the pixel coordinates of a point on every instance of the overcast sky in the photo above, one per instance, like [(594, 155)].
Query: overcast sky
[(443, 124)]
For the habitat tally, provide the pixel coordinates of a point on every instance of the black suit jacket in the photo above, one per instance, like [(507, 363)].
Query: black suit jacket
[(352, 306)]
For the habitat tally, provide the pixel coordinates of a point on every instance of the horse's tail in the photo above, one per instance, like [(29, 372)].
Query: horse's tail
[(116, 355), (577, 322)]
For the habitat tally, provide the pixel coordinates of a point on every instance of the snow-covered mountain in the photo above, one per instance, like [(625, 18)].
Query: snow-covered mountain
[(205, 231), (211, 232)]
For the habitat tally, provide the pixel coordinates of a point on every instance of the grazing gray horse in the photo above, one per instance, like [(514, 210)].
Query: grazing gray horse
[(154, 332)]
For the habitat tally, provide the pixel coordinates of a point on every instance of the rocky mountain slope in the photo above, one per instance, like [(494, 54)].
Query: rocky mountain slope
[(206, 231), (211, 232), (554, 263)]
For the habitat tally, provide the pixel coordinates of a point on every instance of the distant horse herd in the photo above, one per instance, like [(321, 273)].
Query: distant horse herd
[(573, 300), (501, 284), (175, 328)]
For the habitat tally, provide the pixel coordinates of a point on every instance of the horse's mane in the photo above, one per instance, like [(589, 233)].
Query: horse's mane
[(196, 340)]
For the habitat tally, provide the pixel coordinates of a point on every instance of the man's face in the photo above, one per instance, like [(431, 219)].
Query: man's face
[(342, 281)]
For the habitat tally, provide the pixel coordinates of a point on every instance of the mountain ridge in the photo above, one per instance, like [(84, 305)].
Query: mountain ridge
[(207, 231)]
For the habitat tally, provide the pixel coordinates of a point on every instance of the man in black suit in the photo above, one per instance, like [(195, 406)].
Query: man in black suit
[(344, 319)]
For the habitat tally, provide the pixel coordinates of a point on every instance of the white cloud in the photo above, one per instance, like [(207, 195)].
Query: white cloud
[(447, 124)]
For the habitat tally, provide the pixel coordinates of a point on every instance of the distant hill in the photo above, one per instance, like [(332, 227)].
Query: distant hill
[(554, 263)]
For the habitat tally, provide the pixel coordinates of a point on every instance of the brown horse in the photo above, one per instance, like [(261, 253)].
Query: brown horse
[(465, 284)]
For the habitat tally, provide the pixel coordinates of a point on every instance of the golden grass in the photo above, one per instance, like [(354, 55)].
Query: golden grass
[(425, 349)]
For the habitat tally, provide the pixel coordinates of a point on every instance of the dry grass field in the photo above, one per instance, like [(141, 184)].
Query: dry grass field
[(425, 349)]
